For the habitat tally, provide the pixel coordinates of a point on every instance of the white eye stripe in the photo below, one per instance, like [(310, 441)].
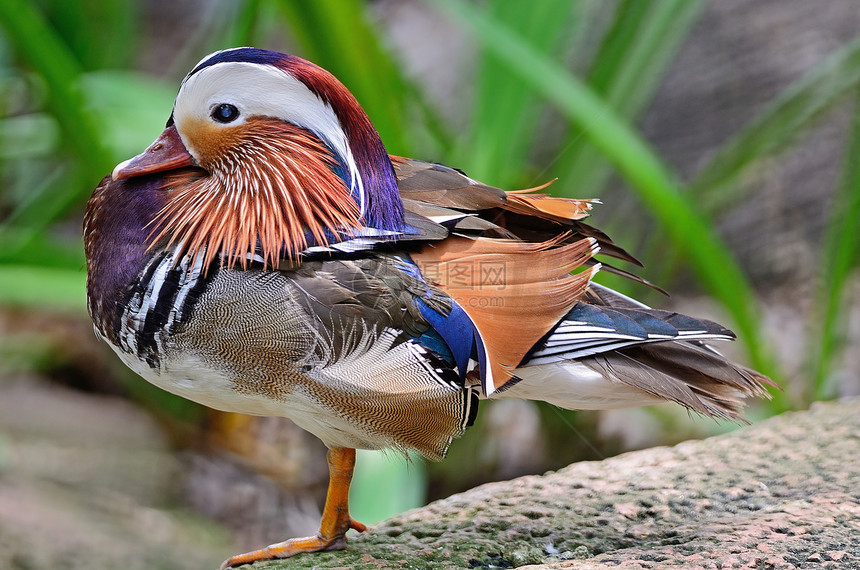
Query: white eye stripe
[(264, 90)]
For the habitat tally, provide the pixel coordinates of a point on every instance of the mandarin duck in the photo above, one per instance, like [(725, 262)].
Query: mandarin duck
[(266, 255)]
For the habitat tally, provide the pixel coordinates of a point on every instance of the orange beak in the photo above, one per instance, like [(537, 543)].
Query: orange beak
[(166, 153)]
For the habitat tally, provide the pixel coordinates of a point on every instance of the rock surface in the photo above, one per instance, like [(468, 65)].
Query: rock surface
[(784, 493)]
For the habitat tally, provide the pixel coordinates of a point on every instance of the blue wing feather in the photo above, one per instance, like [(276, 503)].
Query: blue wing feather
[(457, 332)]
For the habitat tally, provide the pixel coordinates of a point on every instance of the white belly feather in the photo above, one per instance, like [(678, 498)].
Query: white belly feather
[(571, 385)]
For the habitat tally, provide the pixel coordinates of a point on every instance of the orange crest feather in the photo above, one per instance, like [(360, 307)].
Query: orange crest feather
[(271, 189)]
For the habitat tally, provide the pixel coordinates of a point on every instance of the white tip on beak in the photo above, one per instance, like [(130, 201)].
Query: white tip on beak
[(119, 167)]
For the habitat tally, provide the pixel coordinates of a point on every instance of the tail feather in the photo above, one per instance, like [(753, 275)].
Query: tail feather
[(688, 373), (590, 329), (622, 346)]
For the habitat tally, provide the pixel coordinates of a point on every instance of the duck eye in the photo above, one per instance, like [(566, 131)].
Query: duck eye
[(225, 113)]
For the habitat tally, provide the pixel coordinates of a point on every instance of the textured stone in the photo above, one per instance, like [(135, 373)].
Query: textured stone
[(784, 493)]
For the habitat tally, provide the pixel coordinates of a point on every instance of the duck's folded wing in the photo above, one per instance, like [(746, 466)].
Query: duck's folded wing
[(339, 346)]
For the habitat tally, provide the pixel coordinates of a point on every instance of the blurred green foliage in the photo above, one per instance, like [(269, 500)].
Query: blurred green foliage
[(70, 108)]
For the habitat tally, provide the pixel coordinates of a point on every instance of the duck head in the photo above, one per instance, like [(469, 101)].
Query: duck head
[(282, 157)]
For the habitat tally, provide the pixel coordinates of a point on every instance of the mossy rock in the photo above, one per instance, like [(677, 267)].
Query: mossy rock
[(783, 493)]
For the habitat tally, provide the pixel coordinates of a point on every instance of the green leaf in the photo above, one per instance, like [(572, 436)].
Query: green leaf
[(38, 44), (320, 28), (842, 246), (27, 136), (245, 23), (51, 194), (24, 247), (403, 481), (131, 109), (101, 34), (43, 288), (717, 185), (506, 117), (625, 73)]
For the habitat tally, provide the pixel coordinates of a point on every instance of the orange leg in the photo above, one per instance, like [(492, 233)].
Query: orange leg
[(335, 519)]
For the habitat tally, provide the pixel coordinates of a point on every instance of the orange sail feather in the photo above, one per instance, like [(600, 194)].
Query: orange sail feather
[(514, 292)]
